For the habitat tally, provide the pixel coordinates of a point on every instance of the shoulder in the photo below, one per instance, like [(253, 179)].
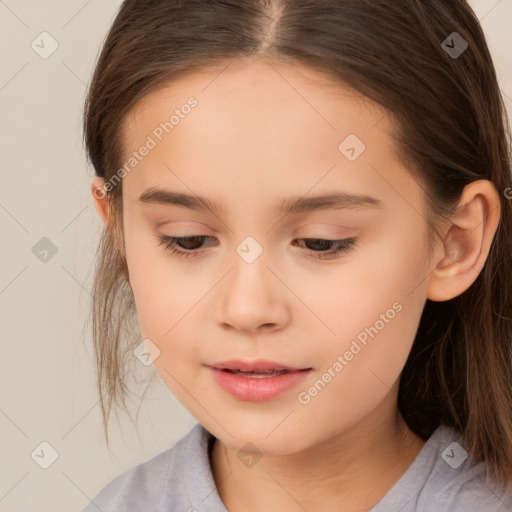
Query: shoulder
[(143, 486), (456, 483), (444, 478)]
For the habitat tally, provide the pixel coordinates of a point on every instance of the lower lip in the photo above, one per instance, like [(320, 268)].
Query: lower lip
[(257, 389)]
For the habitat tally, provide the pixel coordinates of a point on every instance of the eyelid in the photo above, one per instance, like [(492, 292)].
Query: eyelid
[(341, 231), (340, 247), (196, 225)]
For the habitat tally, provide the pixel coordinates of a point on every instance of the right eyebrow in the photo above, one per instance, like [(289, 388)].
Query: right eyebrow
[(168, 197)]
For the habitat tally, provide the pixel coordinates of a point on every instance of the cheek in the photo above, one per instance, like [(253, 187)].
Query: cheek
[(162, 292), (386, 269), (341, 303), (371, 311)]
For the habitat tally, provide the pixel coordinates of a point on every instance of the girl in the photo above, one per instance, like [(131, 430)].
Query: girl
[(307, 206)]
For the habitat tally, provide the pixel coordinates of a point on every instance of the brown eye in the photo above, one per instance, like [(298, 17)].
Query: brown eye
[(191, 246), (184, 246), (321, 246), (190, 243)]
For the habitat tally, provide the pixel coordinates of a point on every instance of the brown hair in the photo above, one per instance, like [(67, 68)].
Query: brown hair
[(453, 129)]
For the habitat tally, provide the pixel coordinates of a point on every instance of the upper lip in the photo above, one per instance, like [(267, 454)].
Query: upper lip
[(251, 366)]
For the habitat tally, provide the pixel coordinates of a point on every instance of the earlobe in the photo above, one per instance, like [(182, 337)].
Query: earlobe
[(100, 198), (467, 242)]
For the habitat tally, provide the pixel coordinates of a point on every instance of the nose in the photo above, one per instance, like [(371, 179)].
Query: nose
[(252, 298)]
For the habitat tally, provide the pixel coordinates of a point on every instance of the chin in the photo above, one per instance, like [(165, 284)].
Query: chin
[(251, 438)]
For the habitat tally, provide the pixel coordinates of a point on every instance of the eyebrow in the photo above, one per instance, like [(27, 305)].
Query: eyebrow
[(331, 201)]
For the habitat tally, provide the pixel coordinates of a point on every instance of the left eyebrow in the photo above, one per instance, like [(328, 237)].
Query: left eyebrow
[(331, 201)]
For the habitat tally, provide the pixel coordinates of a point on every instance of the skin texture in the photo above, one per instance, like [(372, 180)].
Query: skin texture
[(261, 133)]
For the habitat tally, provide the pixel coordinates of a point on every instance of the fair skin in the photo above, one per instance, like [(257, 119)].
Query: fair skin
[(260, 134)]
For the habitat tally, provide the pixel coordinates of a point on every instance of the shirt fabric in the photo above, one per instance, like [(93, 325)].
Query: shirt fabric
[(180, 480)]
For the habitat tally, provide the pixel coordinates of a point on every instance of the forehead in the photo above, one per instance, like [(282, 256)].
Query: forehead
[(259, 127), (272, 95)]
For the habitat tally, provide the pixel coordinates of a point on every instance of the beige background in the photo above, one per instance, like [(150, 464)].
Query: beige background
[(48, 391)]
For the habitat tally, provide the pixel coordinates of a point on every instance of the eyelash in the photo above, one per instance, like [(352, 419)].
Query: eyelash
[(341, 246)]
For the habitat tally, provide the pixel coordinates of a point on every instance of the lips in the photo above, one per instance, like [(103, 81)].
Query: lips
[(256, 380)]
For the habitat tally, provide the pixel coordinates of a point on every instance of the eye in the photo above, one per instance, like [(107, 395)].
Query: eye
[(337, 246), (170, 243), (192, 243)]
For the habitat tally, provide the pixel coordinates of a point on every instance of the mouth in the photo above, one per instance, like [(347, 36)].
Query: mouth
[(258, 374), (256, 380), (257, 366)]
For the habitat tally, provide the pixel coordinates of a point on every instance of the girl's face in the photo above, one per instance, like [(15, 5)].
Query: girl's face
[(264, 143)]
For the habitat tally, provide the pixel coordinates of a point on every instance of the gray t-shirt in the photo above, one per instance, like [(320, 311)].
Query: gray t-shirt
[(180, 480)]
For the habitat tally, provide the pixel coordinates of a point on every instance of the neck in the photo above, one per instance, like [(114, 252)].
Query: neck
[(350, 471)]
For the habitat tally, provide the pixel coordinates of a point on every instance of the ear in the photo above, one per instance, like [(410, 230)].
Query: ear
[(100, 198), (102, 205), (467, 241)]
